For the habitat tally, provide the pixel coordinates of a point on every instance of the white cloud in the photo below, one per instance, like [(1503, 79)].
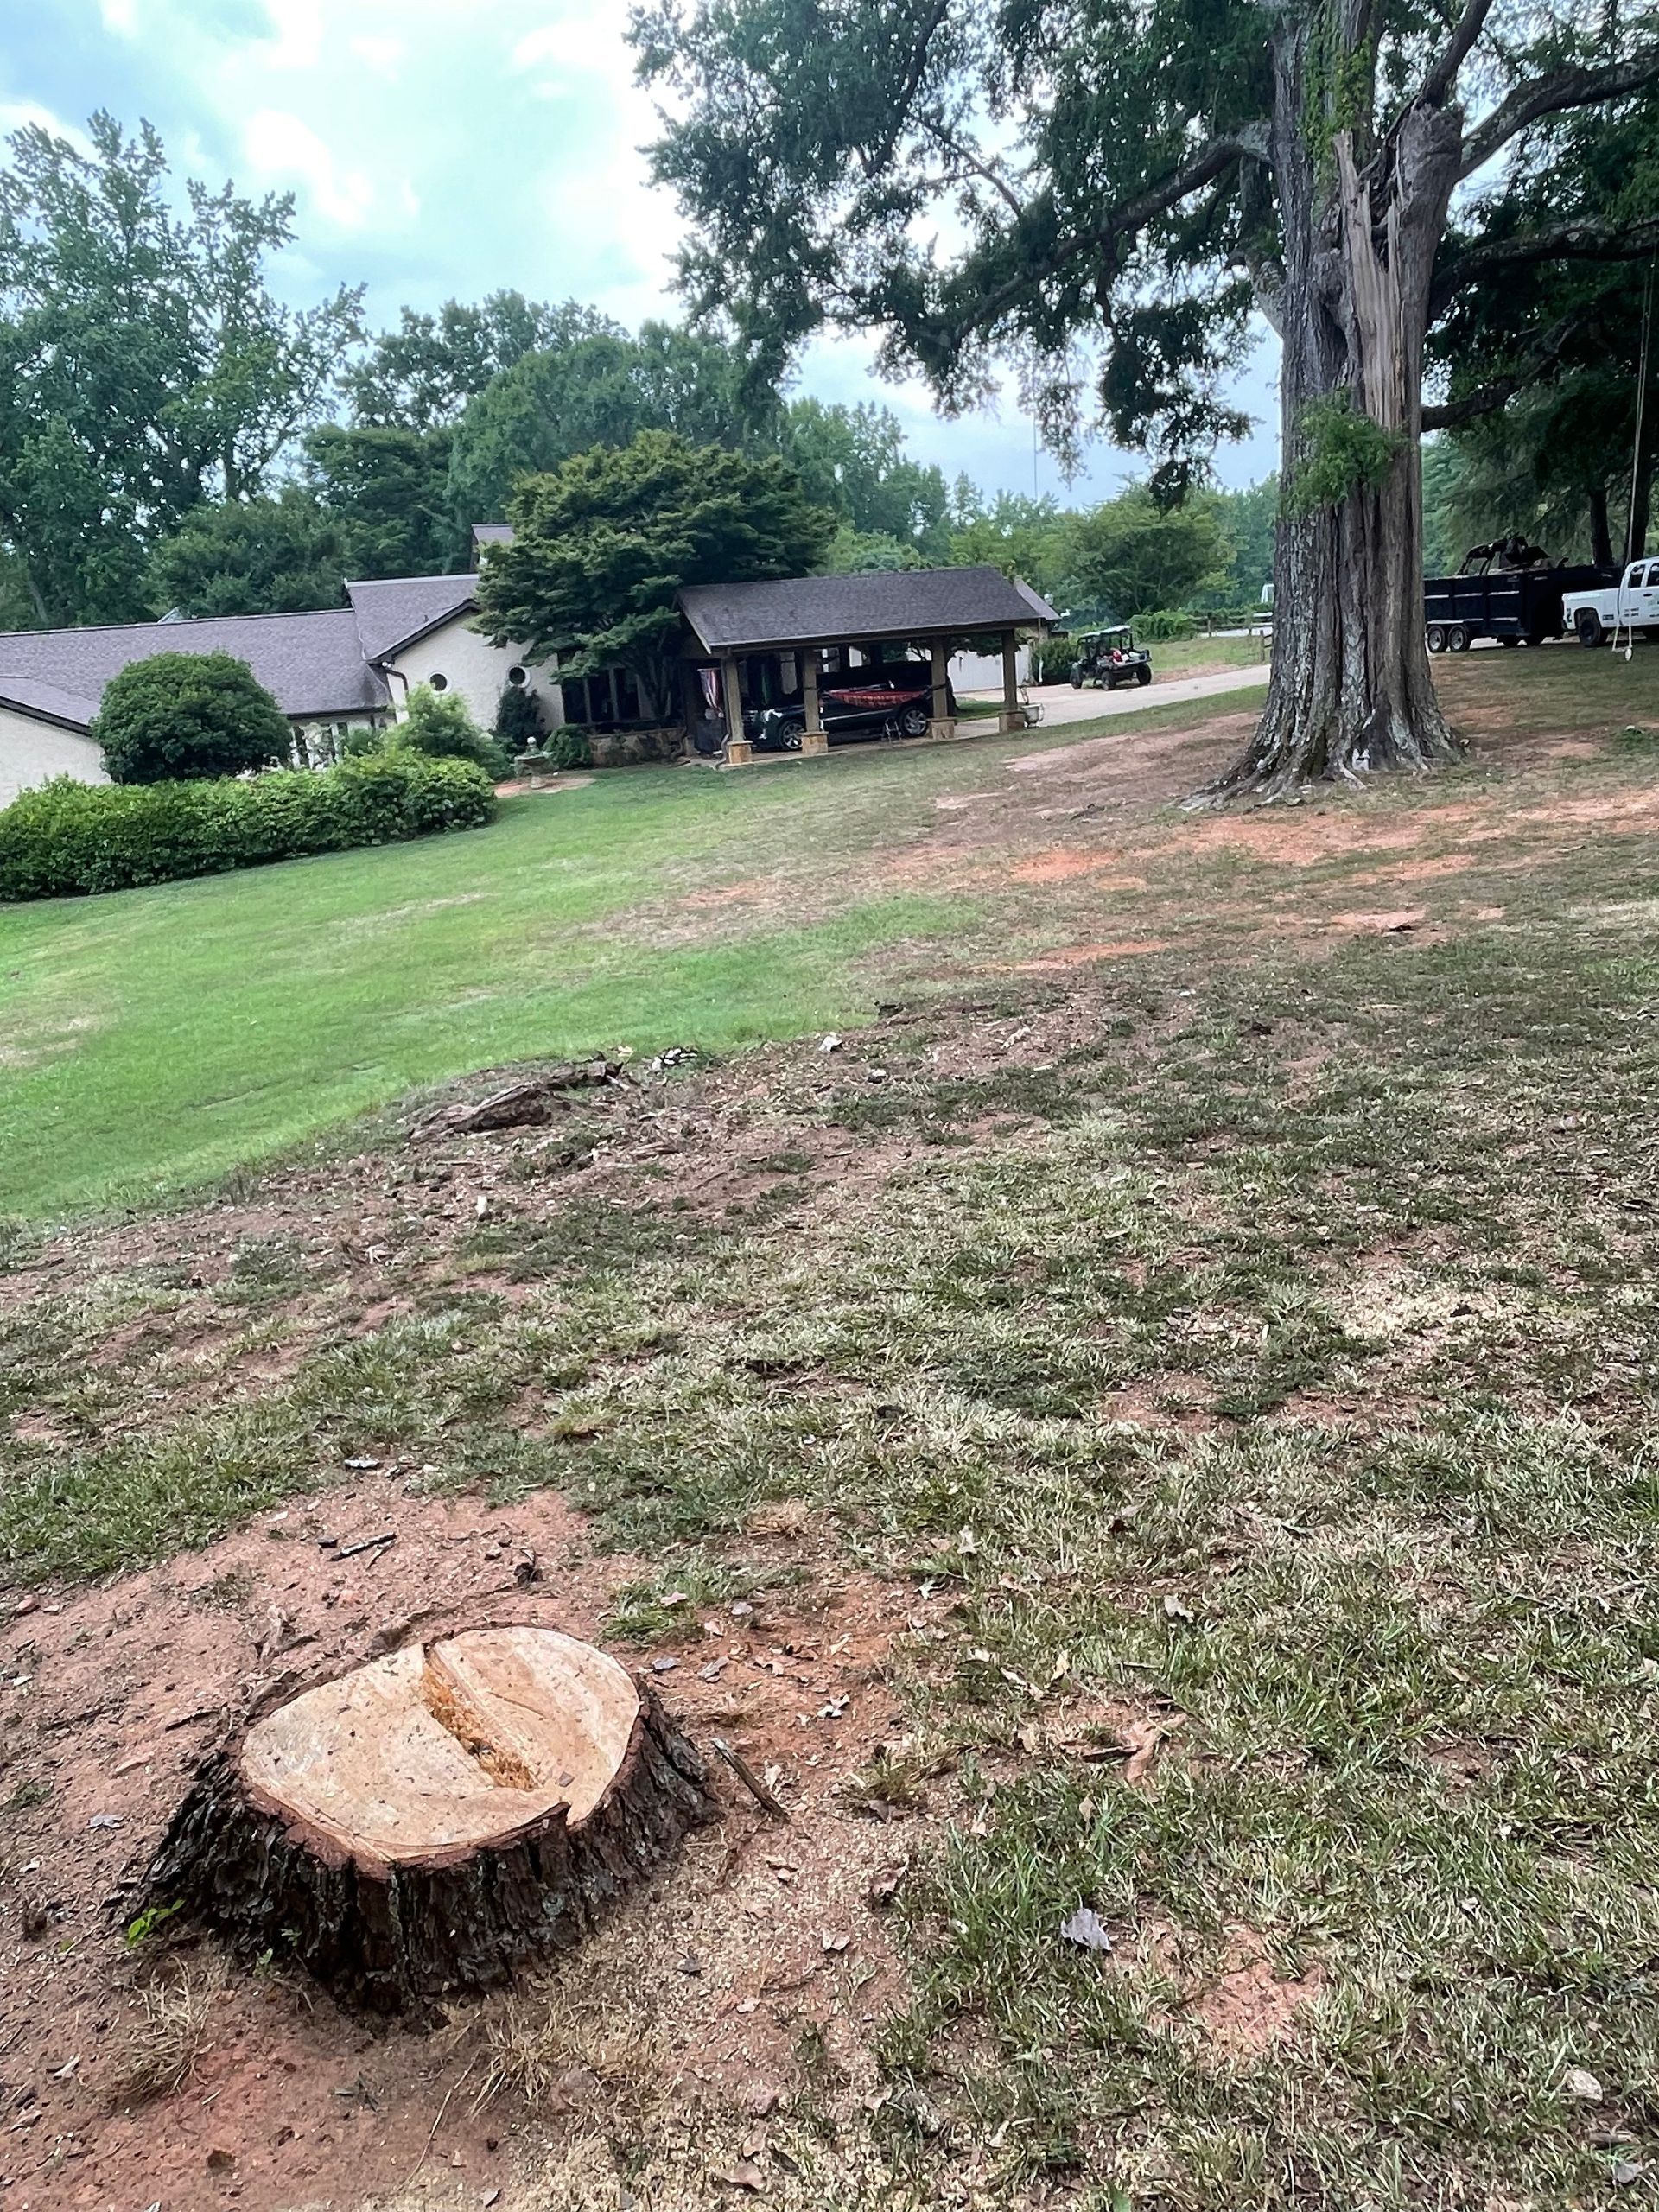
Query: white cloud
[(296, 28), (383, 55), (18, 115), (285, 150), (120, 16)]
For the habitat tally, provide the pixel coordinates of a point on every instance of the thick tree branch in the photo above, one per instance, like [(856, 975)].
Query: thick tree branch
[(1443, 75), (1550, 96), (1212, 161), (908, 87), (970, 161), (1487, 398), (1586, 240)]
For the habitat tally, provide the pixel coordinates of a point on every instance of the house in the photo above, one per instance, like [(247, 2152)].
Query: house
[(747, 647), (346, 668)]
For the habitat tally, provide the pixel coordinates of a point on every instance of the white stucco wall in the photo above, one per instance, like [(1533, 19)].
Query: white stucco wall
[(477, 671), (983, 671), (32, 753)]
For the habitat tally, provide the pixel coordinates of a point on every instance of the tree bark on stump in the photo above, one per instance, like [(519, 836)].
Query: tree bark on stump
[(425, 1824)]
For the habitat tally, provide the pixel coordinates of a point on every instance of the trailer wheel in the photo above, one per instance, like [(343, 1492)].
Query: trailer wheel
[(1436, 638), (1589, 627), (1457, 639)]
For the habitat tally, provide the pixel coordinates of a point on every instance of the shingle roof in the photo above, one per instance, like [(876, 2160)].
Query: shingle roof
[(490, 533), (310, 663), (45, 701), (394, 613), (823, 610)]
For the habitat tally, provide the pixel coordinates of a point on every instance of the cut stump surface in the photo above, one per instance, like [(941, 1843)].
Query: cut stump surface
[(425, 1822)]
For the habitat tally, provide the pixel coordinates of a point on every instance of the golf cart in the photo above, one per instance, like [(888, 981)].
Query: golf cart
[(1109, 658)]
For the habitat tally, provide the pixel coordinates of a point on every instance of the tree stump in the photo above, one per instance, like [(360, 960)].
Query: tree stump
[(426, 1823)]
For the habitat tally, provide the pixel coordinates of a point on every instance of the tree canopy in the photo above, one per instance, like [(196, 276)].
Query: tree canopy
[(420, 376), (146, 365), (1100, 196), (1540, 371), (600, 389), (1131, 556), (602, 545), (853, 460), (257, 556)]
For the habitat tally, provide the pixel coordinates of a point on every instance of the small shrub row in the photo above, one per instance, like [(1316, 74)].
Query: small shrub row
[(1164, 625), (69, 837)]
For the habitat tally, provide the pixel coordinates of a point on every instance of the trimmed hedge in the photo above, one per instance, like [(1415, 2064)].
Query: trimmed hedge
[(69, 837)]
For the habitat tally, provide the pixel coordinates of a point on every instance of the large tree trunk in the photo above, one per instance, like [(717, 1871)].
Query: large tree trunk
[(1351, 690), (1601, 528)]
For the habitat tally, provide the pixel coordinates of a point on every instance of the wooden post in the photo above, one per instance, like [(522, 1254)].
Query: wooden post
[(1012, 716), (812, 733), (737, 748), (941, 726)]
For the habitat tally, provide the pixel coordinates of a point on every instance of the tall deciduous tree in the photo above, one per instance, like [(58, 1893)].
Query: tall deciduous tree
[(388, 489), (853, 459), (420, 376), (251, 556), (1140, 176), (1130, 556), (1542, 369), (602, 546), (145, 364), (601, 388)]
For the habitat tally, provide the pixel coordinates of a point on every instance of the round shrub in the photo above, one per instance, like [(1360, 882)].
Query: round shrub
[(178, 717)]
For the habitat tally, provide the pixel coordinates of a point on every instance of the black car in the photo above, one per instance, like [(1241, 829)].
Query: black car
[(892, 700)]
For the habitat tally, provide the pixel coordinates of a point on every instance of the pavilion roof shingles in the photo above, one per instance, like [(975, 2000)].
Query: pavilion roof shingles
[(826, 610)]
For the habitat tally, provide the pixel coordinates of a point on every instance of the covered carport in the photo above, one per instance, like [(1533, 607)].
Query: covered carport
[(936, 610)]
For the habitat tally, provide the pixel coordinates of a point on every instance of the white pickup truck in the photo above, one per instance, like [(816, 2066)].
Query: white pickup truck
[(1630, 605)]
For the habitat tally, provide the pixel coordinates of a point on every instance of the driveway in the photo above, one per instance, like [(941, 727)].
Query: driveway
[(1060, 703)]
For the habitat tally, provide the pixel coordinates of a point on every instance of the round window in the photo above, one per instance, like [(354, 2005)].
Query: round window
[(439, 682), (517, 676)]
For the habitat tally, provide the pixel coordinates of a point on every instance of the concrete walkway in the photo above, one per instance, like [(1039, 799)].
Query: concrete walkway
[(1061, 704)]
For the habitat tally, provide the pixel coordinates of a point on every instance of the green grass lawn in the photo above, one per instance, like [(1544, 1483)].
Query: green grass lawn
[(1245, 1351), (151, 1039)]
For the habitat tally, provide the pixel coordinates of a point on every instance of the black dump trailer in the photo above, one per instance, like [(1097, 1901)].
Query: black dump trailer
[(1508, 590)]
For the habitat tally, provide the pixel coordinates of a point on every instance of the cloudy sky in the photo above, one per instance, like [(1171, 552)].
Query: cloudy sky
[(441, 148)]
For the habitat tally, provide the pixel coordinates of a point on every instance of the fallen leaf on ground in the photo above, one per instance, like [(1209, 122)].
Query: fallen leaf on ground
[(1143, 1740), (1084, 1928)]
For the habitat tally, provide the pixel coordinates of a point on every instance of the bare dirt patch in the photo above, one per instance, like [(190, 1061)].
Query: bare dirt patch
[(1249, 2007), (1080, 956), (111, 1695)]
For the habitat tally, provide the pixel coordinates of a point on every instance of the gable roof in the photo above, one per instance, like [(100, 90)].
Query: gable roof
[(46, 702), (892, 603), (394, 613), (312, 664)]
